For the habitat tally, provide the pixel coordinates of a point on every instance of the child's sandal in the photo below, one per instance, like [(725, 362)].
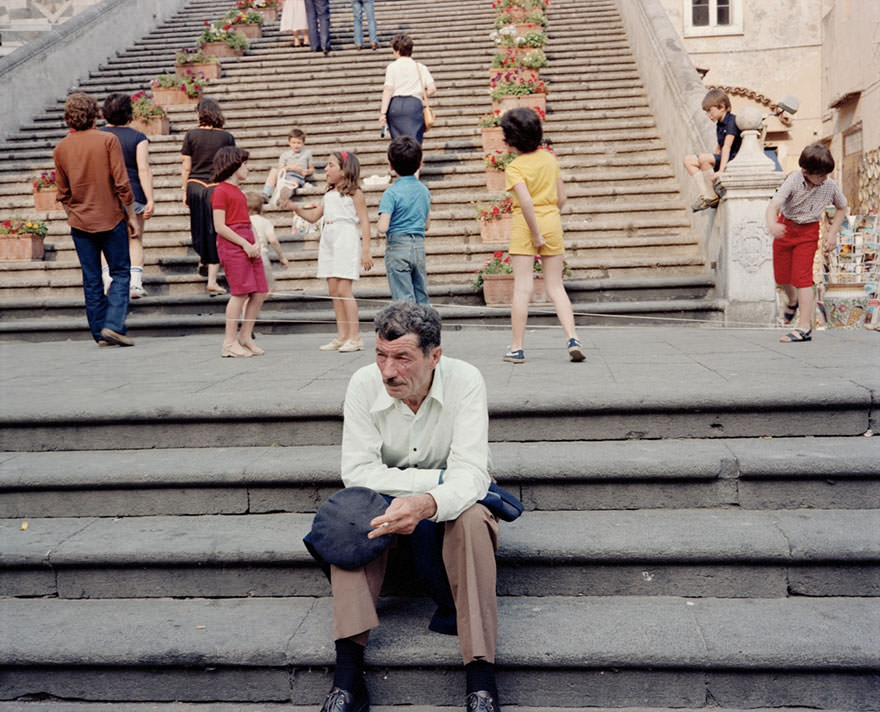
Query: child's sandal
[(788, 314), (797, 336)]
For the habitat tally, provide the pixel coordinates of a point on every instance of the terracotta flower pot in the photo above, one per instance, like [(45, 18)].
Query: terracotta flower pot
[(252, 31), (21, 248), (494, 180), (172, 96), (208, 70), (270, 14), (523, 27), (492, 138), (529, 101), (496, 231), (46, 199), (498, 290), (159, 126), (220, 49)]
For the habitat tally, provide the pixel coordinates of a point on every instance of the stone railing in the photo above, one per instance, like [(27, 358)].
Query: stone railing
[(50, 66), (673, 87)]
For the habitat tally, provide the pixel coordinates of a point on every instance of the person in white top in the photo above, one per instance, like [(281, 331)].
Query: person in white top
[(402, 94), (416, 429)]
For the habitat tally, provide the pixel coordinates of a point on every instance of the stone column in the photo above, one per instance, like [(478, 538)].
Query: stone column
[(740, 247)]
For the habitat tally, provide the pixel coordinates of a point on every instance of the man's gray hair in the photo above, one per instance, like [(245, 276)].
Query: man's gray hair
[(401, 318)]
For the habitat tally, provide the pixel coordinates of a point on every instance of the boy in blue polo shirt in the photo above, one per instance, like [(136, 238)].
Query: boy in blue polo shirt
[(403, 219)]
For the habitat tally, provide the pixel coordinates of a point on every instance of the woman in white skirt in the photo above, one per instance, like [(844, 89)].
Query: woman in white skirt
[(345, 244), (293, 19)]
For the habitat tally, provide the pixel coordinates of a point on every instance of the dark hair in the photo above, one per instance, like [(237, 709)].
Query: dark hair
[(403, 45), (351, 172), (210, 113), (80, 111), (405, 155), (254, 202), (297, 133), (816, 159), (401, 318), (227, 161), (716, 97), (522, 129), (117, 109)]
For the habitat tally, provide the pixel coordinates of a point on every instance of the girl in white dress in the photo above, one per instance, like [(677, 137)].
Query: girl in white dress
[(342, 251), (293, 19)]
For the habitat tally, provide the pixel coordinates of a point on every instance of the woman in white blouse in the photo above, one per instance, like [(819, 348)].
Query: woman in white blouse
[(402, 95)]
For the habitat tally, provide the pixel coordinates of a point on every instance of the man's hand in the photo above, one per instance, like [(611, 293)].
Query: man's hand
[(402, 515)]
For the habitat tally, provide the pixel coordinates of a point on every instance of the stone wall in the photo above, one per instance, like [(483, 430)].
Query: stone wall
[(48, 67), (674, 89)]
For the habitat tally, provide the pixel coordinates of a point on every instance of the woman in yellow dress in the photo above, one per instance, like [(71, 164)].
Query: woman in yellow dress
[(534, 179)]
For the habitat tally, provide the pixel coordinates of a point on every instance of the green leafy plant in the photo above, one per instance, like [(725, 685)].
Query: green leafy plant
[(508, 59), (193, 56), (46, 181), (516, 83), (20, 227), (499, 160), (243, 17), (144, 108), (498, 263), (190, 83), (534, 38), (490, 120), (223, 32), (535, 59), (494, 209), (264, 4)]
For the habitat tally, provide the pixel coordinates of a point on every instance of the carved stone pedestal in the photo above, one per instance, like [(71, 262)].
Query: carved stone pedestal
[(741, 249)]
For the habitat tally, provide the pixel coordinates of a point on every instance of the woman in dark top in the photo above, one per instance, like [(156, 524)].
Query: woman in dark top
[(136, 152), (197, 156)]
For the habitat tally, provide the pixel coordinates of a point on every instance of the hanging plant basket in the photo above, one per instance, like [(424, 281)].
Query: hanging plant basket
[(46, 200), (21, 248), (159, 126)]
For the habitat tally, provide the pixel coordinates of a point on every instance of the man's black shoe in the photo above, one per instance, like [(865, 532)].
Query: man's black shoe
[(339, 700), (481, 701)]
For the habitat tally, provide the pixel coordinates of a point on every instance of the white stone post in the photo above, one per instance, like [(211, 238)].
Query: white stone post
[(740, 247)]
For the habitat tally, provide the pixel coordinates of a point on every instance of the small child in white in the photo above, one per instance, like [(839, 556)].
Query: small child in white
[(345, 244), (265, 232)]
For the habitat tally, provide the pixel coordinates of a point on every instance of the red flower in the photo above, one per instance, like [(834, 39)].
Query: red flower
[(498, 255)]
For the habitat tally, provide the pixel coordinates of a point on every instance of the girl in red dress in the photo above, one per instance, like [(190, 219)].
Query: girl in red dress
[(239, 253)]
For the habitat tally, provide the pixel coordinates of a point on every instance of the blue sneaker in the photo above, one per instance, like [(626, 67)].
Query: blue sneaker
[(575, 352), (517, 356)]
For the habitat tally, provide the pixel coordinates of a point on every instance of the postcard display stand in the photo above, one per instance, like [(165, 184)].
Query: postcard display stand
[(851, 282)]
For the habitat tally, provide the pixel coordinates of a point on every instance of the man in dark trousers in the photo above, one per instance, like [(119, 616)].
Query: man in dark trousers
[(318, 18)]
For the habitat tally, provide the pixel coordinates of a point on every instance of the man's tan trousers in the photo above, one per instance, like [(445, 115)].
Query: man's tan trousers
[(469, 545)]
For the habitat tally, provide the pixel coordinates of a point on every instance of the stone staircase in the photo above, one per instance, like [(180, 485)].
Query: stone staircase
[(628, 234), (684, 547)]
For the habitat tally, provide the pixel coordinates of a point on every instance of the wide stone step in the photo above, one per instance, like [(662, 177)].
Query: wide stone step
[(784, 473), (553, 651), (62, 706), (695, 553)]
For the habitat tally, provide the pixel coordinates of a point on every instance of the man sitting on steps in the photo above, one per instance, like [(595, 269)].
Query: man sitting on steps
[(416, 430)]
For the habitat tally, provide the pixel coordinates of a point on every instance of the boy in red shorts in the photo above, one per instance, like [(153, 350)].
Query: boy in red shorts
[(793, 221)]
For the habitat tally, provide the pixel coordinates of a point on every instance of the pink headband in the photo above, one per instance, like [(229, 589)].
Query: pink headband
[(344, 155)]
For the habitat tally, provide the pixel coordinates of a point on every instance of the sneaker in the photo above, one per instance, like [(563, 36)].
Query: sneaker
[(137, 292), (517, 356), (575, 351), (351, 345), (332, 346)]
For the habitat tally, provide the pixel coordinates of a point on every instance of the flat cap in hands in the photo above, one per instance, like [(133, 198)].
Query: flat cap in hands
[(340, 528)]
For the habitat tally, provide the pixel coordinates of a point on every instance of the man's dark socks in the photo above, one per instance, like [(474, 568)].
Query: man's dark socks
[(349, 673), (481, 676)]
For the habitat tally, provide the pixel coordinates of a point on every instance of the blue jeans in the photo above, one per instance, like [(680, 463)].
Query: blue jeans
[(405, 267), (357, 7), (104, 311), (318, 20)]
